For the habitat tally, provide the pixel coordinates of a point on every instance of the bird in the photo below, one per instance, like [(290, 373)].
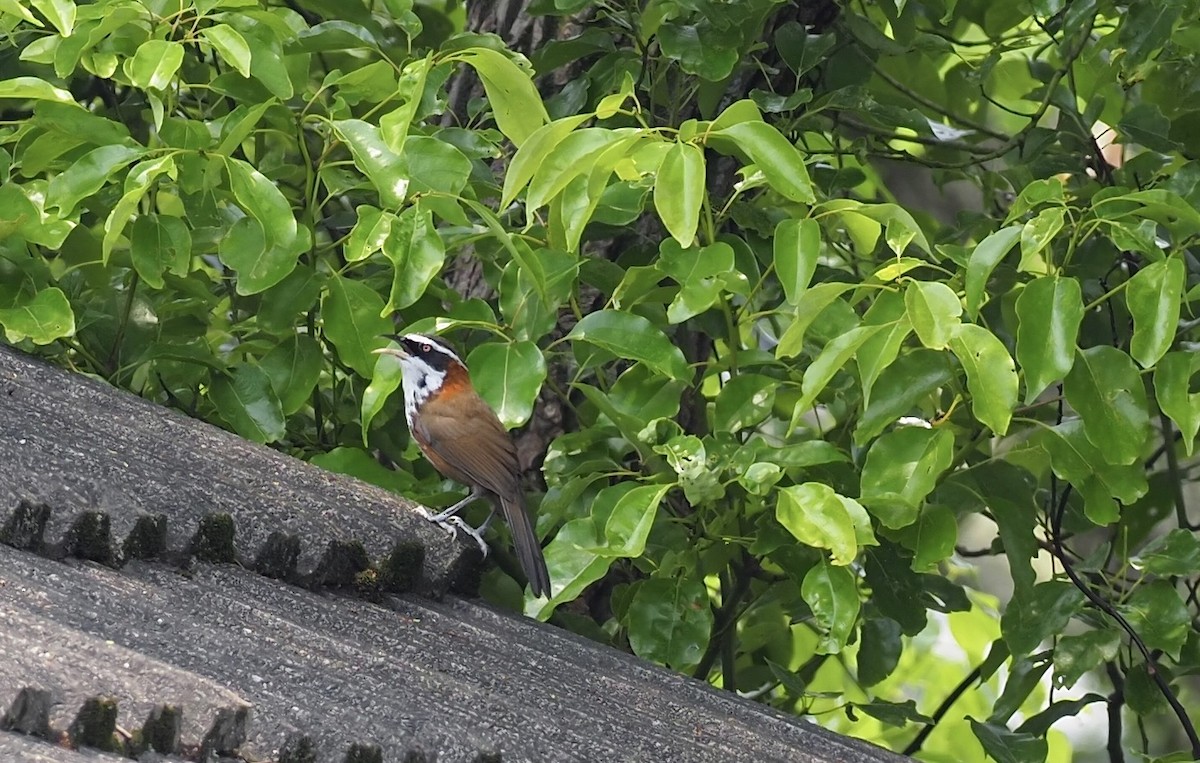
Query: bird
[(459, 433)]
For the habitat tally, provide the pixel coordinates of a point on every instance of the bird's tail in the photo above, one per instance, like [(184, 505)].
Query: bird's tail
[(529, 551)]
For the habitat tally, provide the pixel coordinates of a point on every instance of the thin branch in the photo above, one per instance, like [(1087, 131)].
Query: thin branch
[(724, 620), (1107, 608), (1173, 469), (928, 103), (1116, 701), (915, 745)]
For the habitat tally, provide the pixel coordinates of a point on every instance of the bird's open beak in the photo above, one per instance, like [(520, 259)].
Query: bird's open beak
[(397, 349)]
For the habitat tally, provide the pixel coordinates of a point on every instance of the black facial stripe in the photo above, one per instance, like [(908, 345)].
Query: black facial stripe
[(430, 350)]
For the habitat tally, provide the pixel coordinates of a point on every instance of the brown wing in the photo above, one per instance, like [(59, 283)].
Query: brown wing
[(471, 446)]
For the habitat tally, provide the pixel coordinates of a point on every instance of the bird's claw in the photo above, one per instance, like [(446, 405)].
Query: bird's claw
[(452, 524), (458, 523), (440, 522)]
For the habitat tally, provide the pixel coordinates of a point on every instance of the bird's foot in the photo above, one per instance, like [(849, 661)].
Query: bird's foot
[(453, 523), (438, 520), (458, 523)]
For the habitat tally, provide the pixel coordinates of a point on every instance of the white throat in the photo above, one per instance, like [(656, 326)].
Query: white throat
[(420, 381)]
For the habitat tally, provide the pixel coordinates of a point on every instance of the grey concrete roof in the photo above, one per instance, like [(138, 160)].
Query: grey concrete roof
[(228, 655)]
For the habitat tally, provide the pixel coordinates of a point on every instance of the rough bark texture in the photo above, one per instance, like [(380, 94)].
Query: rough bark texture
[(92, 472), (265, 671)]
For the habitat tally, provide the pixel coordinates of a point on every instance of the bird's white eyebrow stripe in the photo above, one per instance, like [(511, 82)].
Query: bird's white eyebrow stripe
[(423, 339)]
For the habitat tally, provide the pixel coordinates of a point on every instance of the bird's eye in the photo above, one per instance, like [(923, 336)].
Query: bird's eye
[(426, 348)]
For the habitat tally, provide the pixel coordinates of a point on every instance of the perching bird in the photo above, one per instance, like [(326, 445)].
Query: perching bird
[(462, 437)]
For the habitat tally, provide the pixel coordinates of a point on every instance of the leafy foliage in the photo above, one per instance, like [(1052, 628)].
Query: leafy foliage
[(791, 398)]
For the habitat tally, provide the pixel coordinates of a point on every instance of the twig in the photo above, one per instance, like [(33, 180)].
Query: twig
[(915, 745), (1116, 700), (724, 619), (1104, 606)]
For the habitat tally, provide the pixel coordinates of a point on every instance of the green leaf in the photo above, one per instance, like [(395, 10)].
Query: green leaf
[(631, 336), (533, 153), (700, 49), (571, 567), (744, 401), (1035, 615), (900, 388), (679, 191), (60, 13), (701, 274), (629, 524), (882, 349), (231, 46), (879, 650), (1158, 614), (1172, 388), (670, 621), (1078, 654), (832, 359), (333, 35), (818, 517), (282, 243), (509, 378), (1036, 235), (1145, 30), (932, 538), (16, 8), (1076, 459), (894, 713), (416, 252), (41, 319), (533, 287), (934, 310), (268, 64), (380, 164), (1153, 296), (34, 89), (991, 375), (264, 202), (570, 158), (350, 312), (435, 166), (831, 592), (1176, 553), (159, 243), (515, 101), (778, 160), (140, 179), (809, 306), (154, 64), (386, 378), (688, 457), (360, 464), (293, 367), (247, 403), (1145, 124), (1039, 725), (984, 259), (901, 469), (1104, 387), (1024, 675), (1007, 746), (371, 229), (1049, 312), (88, 174), (238, 125), (900, 227), (394, 125), (796, 250)]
